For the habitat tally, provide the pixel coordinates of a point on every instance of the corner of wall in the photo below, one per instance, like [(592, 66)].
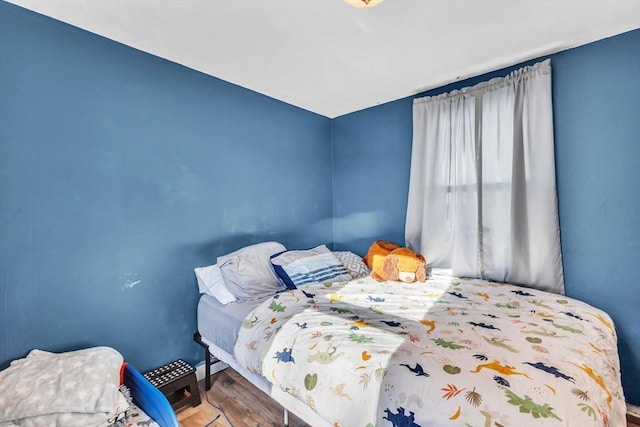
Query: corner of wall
[(333, 184)]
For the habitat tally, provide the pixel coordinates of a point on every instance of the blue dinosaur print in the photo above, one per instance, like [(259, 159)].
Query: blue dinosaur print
[(523, 293), (493, 316), (457, 294), (308, 294), (302, 326), (501, 381), (551, 370), (392, 323), (399, 419), (575, 316), (418, 370), (375, 299), (284, 356), (484, 325)]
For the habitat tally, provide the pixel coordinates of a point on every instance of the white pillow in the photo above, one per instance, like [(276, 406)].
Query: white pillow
[(210, 282), (248, 273)]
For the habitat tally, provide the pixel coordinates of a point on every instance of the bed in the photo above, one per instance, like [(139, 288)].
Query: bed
[(451, 351)]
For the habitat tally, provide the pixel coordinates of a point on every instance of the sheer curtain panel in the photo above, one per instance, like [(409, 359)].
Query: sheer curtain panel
[(482, 192)]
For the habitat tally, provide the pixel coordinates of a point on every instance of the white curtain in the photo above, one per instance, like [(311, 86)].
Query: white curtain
[(482, 193)]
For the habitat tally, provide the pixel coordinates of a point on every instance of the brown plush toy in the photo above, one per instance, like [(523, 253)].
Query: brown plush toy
[(389, 261)]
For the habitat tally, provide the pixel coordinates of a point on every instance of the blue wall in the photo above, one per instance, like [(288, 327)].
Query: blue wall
[(371, 158), (119, 173), (596, 91)]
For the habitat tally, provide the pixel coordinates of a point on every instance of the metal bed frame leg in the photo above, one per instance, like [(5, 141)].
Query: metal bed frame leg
[(207, 369), (207, 360)]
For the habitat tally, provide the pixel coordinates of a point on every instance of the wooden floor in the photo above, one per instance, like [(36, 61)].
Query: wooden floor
[(243, 404)]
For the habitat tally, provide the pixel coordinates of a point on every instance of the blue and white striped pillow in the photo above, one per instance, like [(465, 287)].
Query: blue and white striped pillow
[(297, 268)]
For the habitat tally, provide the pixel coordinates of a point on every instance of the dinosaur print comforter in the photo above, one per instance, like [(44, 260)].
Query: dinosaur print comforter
[(448, 352)]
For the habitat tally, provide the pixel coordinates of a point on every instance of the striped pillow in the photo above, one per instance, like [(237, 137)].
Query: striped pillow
[(297, 268)]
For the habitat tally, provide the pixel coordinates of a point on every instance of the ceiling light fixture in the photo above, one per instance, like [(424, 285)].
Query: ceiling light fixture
[(363, 3)]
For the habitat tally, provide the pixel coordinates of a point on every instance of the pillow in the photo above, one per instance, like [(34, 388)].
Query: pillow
[(247, 272), (298, 268), (210, 282), (353, 263)]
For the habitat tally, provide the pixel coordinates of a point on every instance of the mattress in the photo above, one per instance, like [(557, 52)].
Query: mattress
[(220, 324)]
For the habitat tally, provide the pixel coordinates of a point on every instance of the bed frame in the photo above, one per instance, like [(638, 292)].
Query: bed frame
[(207, 360)]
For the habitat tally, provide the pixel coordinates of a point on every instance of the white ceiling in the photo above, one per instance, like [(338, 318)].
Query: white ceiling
[(332, 59)]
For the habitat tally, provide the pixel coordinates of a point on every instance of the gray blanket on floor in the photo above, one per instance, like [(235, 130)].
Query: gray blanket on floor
[(79, 388)]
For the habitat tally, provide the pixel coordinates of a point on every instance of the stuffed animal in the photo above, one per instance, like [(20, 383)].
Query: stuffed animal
[(389, 261)]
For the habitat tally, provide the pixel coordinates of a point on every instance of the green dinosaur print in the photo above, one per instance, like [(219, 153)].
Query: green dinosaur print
[(542, 331), (567, 328), (501, 343), (341, 310), (507, 305), (541, 304), (324, 357), (275, 306), (448, 344), (250, 323), (528, 406), (361, 339)]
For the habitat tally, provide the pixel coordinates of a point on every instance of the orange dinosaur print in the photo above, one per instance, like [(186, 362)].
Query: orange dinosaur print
[(431, 324), (546, 315), (359, 324), (595, 347), (497, 366), (483, 295), (605, 322), (597, 378)]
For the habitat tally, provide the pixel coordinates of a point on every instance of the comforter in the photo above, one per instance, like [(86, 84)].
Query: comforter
[(451, 351)]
